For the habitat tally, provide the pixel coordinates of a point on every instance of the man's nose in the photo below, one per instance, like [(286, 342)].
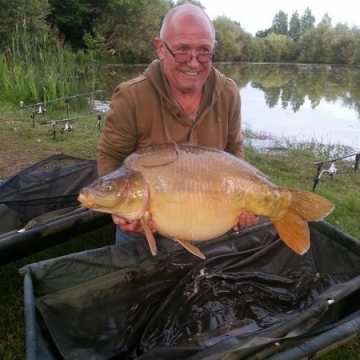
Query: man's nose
[(194, 60)]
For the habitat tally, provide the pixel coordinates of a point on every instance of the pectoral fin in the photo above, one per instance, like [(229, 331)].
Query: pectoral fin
[(149, 235), (191, 248)]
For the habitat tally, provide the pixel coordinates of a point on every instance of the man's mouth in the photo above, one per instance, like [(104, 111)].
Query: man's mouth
[(191, 73)]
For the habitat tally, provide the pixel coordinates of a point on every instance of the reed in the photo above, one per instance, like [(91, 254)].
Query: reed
[(40, 69)]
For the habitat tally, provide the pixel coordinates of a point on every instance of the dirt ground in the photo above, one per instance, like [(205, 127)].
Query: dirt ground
[(15, 154)]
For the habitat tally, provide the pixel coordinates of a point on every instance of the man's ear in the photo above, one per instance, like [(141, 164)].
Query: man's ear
[(159, 45)]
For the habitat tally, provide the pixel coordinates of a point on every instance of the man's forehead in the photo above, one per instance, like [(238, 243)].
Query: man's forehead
[(185, 39), (191, 32)]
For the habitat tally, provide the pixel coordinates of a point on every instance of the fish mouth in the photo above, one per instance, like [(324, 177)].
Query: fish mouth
[(85, 201)]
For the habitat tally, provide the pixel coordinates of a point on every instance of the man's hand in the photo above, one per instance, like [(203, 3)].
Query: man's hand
[(246, 219), (133, 226)]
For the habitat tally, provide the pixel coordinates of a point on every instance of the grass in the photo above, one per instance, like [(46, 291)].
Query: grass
[(26, 144)]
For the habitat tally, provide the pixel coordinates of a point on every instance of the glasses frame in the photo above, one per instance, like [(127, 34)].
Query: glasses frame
[(173, 54)]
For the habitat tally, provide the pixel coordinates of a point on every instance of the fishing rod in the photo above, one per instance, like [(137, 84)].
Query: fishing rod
[(42, 111), (66, 99), (332, 169), (67, 126)]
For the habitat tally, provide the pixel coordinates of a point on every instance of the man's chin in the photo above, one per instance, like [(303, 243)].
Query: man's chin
[(191, 87)]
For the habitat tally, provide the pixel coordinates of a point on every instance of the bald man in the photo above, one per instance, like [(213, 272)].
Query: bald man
[(180, 97)]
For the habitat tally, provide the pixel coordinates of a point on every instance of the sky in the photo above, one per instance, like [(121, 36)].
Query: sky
[(255, 15)]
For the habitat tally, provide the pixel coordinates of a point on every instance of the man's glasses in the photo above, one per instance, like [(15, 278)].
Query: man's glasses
[(186, 57)]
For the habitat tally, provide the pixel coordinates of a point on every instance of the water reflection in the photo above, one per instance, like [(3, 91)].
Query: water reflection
[(303, 102)]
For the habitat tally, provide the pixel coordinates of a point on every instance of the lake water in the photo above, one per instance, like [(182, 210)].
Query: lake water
[(329, 123), (298, 102)]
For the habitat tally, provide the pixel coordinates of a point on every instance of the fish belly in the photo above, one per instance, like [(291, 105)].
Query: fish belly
[(194, 217), (200, 194)]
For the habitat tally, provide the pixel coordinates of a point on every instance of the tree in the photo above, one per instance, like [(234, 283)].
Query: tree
[(355, 32), (75, 18), (278, 48), (246, 48), (263, 33), (129, 28), (307, 21), (280, 23), (29, 16), (343, 45), (194, 2), (326, 19), (295, 27), (316, 44), (227, 35), (322, 41)]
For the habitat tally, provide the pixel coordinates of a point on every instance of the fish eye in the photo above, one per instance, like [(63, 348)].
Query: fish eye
[(109, 186)]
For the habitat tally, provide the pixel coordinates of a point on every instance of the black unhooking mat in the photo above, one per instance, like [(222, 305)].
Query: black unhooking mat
[(39, 207), (252, 298)]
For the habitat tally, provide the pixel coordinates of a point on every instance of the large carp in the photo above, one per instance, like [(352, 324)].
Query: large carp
[(195, 193)]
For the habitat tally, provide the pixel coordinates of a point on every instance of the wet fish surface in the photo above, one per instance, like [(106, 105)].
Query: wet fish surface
[(194, 193)]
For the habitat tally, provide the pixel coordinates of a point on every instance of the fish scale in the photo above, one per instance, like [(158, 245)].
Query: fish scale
[(189, 189)]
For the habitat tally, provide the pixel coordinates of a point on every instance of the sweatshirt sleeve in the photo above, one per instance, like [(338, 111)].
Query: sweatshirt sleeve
[(235, 138), (118, 138)]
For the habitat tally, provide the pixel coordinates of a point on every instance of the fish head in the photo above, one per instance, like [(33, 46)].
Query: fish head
[(123, 192)]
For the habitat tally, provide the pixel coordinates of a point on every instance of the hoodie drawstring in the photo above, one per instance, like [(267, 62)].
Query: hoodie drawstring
[(166, 128)]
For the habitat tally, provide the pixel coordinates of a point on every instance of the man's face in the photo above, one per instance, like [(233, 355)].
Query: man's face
[(192, 35)]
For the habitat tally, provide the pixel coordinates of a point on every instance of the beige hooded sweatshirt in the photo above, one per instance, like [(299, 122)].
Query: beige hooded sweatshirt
[(142, 113)]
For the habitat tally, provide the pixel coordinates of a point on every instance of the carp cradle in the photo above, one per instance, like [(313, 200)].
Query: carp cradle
[(252, 298)]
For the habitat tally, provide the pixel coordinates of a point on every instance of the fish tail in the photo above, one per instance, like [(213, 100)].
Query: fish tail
[(293, 227)]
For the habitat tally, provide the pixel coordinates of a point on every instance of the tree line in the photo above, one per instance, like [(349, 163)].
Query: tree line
[(123, 30)]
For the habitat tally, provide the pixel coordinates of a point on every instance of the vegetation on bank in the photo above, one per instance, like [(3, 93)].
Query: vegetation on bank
[(125, 30), (51, 49)]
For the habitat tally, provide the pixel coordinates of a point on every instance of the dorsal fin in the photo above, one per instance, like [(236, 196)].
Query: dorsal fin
[(165, 154)]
